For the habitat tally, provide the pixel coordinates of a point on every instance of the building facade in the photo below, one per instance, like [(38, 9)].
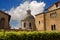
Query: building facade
[(49, 20), (4, 20), (28, 22)]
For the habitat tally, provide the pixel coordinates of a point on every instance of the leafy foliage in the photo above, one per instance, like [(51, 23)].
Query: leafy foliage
[(29, 35)]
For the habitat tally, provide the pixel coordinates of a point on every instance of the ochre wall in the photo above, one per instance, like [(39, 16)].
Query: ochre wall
[(51, 21), (48, 21), (39, 27)]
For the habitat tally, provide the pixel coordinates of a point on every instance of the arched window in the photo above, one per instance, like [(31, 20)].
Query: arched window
[(30, 25), (24, 24), (2, 23)]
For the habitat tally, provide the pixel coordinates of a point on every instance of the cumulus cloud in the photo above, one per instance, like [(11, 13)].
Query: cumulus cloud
[(37, 7), (20, 11)]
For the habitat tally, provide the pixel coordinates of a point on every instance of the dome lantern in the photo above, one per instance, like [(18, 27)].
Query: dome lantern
[(28, 11)]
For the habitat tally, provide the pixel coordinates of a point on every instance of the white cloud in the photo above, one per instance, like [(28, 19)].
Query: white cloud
[(20, 11), (37, 7)]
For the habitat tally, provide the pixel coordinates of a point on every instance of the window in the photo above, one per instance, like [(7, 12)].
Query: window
[(24, 24), (53, 27), (56, 4), (30, 26), (39, 22), (52, 15)]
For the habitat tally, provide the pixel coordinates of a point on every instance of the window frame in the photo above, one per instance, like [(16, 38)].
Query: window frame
[(39, 22), (24, 24), (53, 15), (53, 27), (30, 25)]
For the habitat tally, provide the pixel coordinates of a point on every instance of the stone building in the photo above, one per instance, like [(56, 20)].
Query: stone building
[(4, 20), (49, 20), (28, 22)]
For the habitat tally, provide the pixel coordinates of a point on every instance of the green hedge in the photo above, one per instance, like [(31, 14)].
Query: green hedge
[(30, 36)]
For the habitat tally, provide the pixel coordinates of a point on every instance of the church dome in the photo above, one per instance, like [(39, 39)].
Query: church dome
[(28, 16)]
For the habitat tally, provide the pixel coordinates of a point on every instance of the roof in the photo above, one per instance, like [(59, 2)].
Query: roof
[(46, 12), (6, 14), (52, 10), (52, 5), (28, 17), (39, 14)]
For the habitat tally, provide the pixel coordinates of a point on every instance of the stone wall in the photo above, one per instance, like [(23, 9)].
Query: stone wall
[(39, 20), (53, 20), (6, 18)]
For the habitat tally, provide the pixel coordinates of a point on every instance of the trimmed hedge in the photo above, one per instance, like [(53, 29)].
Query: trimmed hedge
[(30, 36)]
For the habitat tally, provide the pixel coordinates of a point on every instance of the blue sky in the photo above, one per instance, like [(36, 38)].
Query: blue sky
[(6, 5)]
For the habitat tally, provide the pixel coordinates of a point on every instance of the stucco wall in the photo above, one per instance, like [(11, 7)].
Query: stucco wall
[(27, 24)]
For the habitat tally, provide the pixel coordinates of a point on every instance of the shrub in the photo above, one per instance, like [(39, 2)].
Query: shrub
[(30, 36)]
